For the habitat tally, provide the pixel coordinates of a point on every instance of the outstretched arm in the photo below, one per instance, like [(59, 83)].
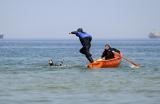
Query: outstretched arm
[(73, 32)]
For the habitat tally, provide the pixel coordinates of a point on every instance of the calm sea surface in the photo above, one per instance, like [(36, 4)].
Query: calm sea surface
[(26, 78)]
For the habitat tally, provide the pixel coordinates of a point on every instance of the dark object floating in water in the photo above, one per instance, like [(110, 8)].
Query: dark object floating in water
[(51, 63), (154, 35)]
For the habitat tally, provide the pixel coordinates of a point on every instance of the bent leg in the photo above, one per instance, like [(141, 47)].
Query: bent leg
[(82, 50), (89, 58), (86, 42)]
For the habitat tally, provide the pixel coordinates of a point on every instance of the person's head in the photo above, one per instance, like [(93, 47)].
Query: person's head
[(107, 46), (80, 30), (50, 62)]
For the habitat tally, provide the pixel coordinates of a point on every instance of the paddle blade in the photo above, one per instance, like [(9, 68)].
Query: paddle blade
[(135, 66)]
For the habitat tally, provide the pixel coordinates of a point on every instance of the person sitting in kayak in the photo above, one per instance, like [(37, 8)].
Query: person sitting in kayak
[(108, 52), (85, 40)]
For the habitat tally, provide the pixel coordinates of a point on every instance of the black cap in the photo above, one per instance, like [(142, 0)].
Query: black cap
[(80, 30)]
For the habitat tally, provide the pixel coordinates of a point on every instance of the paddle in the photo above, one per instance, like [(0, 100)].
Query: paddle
[(134, 65)]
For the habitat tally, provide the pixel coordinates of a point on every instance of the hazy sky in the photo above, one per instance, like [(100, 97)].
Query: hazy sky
[(105, 19)]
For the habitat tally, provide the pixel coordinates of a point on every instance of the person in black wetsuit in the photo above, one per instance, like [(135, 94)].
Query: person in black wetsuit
[(52, 63), (85, 40), (108, 52)]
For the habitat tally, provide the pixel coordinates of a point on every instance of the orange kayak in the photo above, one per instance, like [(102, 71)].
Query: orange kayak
[(111, 63)]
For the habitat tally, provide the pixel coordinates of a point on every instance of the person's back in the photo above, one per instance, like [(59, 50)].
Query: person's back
[(81, 34)]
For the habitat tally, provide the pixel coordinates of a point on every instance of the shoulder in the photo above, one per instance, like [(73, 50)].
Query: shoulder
[(116, 50)]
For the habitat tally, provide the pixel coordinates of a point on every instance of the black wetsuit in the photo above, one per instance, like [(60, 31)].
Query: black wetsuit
[(108, 54), (85, 40)]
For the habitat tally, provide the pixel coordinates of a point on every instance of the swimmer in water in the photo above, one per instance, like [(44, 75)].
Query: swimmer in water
[(51, 63)]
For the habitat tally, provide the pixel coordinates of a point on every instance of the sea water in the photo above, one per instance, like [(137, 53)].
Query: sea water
[(26, 77)]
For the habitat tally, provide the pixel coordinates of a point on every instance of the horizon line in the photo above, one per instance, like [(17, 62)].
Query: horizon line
[(23, 39)]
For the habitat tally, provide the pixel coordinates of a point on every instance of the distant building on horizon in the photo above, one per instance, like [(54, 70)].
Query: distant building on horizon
[(1, 36), (154, 35)]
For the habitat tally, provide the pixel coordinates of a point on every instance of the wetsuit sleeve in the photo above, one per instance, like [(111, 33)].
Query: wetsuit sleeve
[(103, 54), (74, 32)]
